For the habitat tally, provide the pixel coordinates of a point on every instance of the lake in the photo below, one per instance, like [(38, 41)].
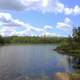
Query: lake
[(31, 61)]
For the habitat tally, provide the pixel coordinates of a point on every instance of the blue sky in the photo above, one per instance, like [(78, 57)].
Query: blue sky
[(39, 17)]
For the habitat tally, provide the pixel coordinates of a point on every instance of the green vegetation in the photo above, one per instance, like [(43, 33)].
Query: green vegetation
[(29, 40), (71, 46), (75, 76), (1, 40)]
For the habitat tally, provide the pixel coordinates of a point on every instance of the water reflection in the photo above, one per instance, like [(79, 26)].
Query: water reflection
[(74, 63), (35, 62)]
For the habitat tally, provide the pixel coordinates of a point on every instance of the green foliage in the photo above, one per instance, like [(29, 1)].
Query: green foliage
[(1, 40), (31, 40), (72, 45)]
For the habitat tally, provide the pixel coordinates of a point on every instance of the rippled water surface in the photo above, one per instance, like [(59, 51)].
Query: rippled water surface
[(30, 62)]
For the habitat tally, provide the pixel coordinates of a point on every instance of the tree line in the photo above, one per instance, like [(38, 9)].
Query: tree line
[(29, 39), (71, 46)]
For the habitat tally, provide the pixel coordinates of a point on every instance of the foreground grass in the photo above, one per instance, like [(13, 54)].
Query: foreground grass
[(67, 76), (75, 76)]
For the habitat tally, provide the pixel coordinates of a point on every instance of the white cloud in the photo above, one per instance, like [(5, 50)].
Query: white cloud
[(23, 33), (8, 20), (45, 3), (50, 34), (34, 31), (62, 25), (68, 11), (9, 26), (14, 23), (61, 8), (11, 4), (67, 20), (5, 17), (66, 24), (7, 31), (76, 9), (47, 27), (39, 5)]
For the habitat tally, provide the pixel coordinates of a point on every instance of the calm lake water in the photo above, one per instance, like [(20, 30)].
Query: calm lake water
[(25, 62)]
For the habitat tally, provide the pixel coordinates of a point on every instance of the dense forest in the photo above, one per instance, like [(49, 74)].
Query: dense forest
[(30, 40)]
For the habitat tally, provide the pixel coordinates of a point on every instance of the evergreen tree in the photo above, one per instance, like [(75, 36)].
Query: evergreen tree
[(1, 40)]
